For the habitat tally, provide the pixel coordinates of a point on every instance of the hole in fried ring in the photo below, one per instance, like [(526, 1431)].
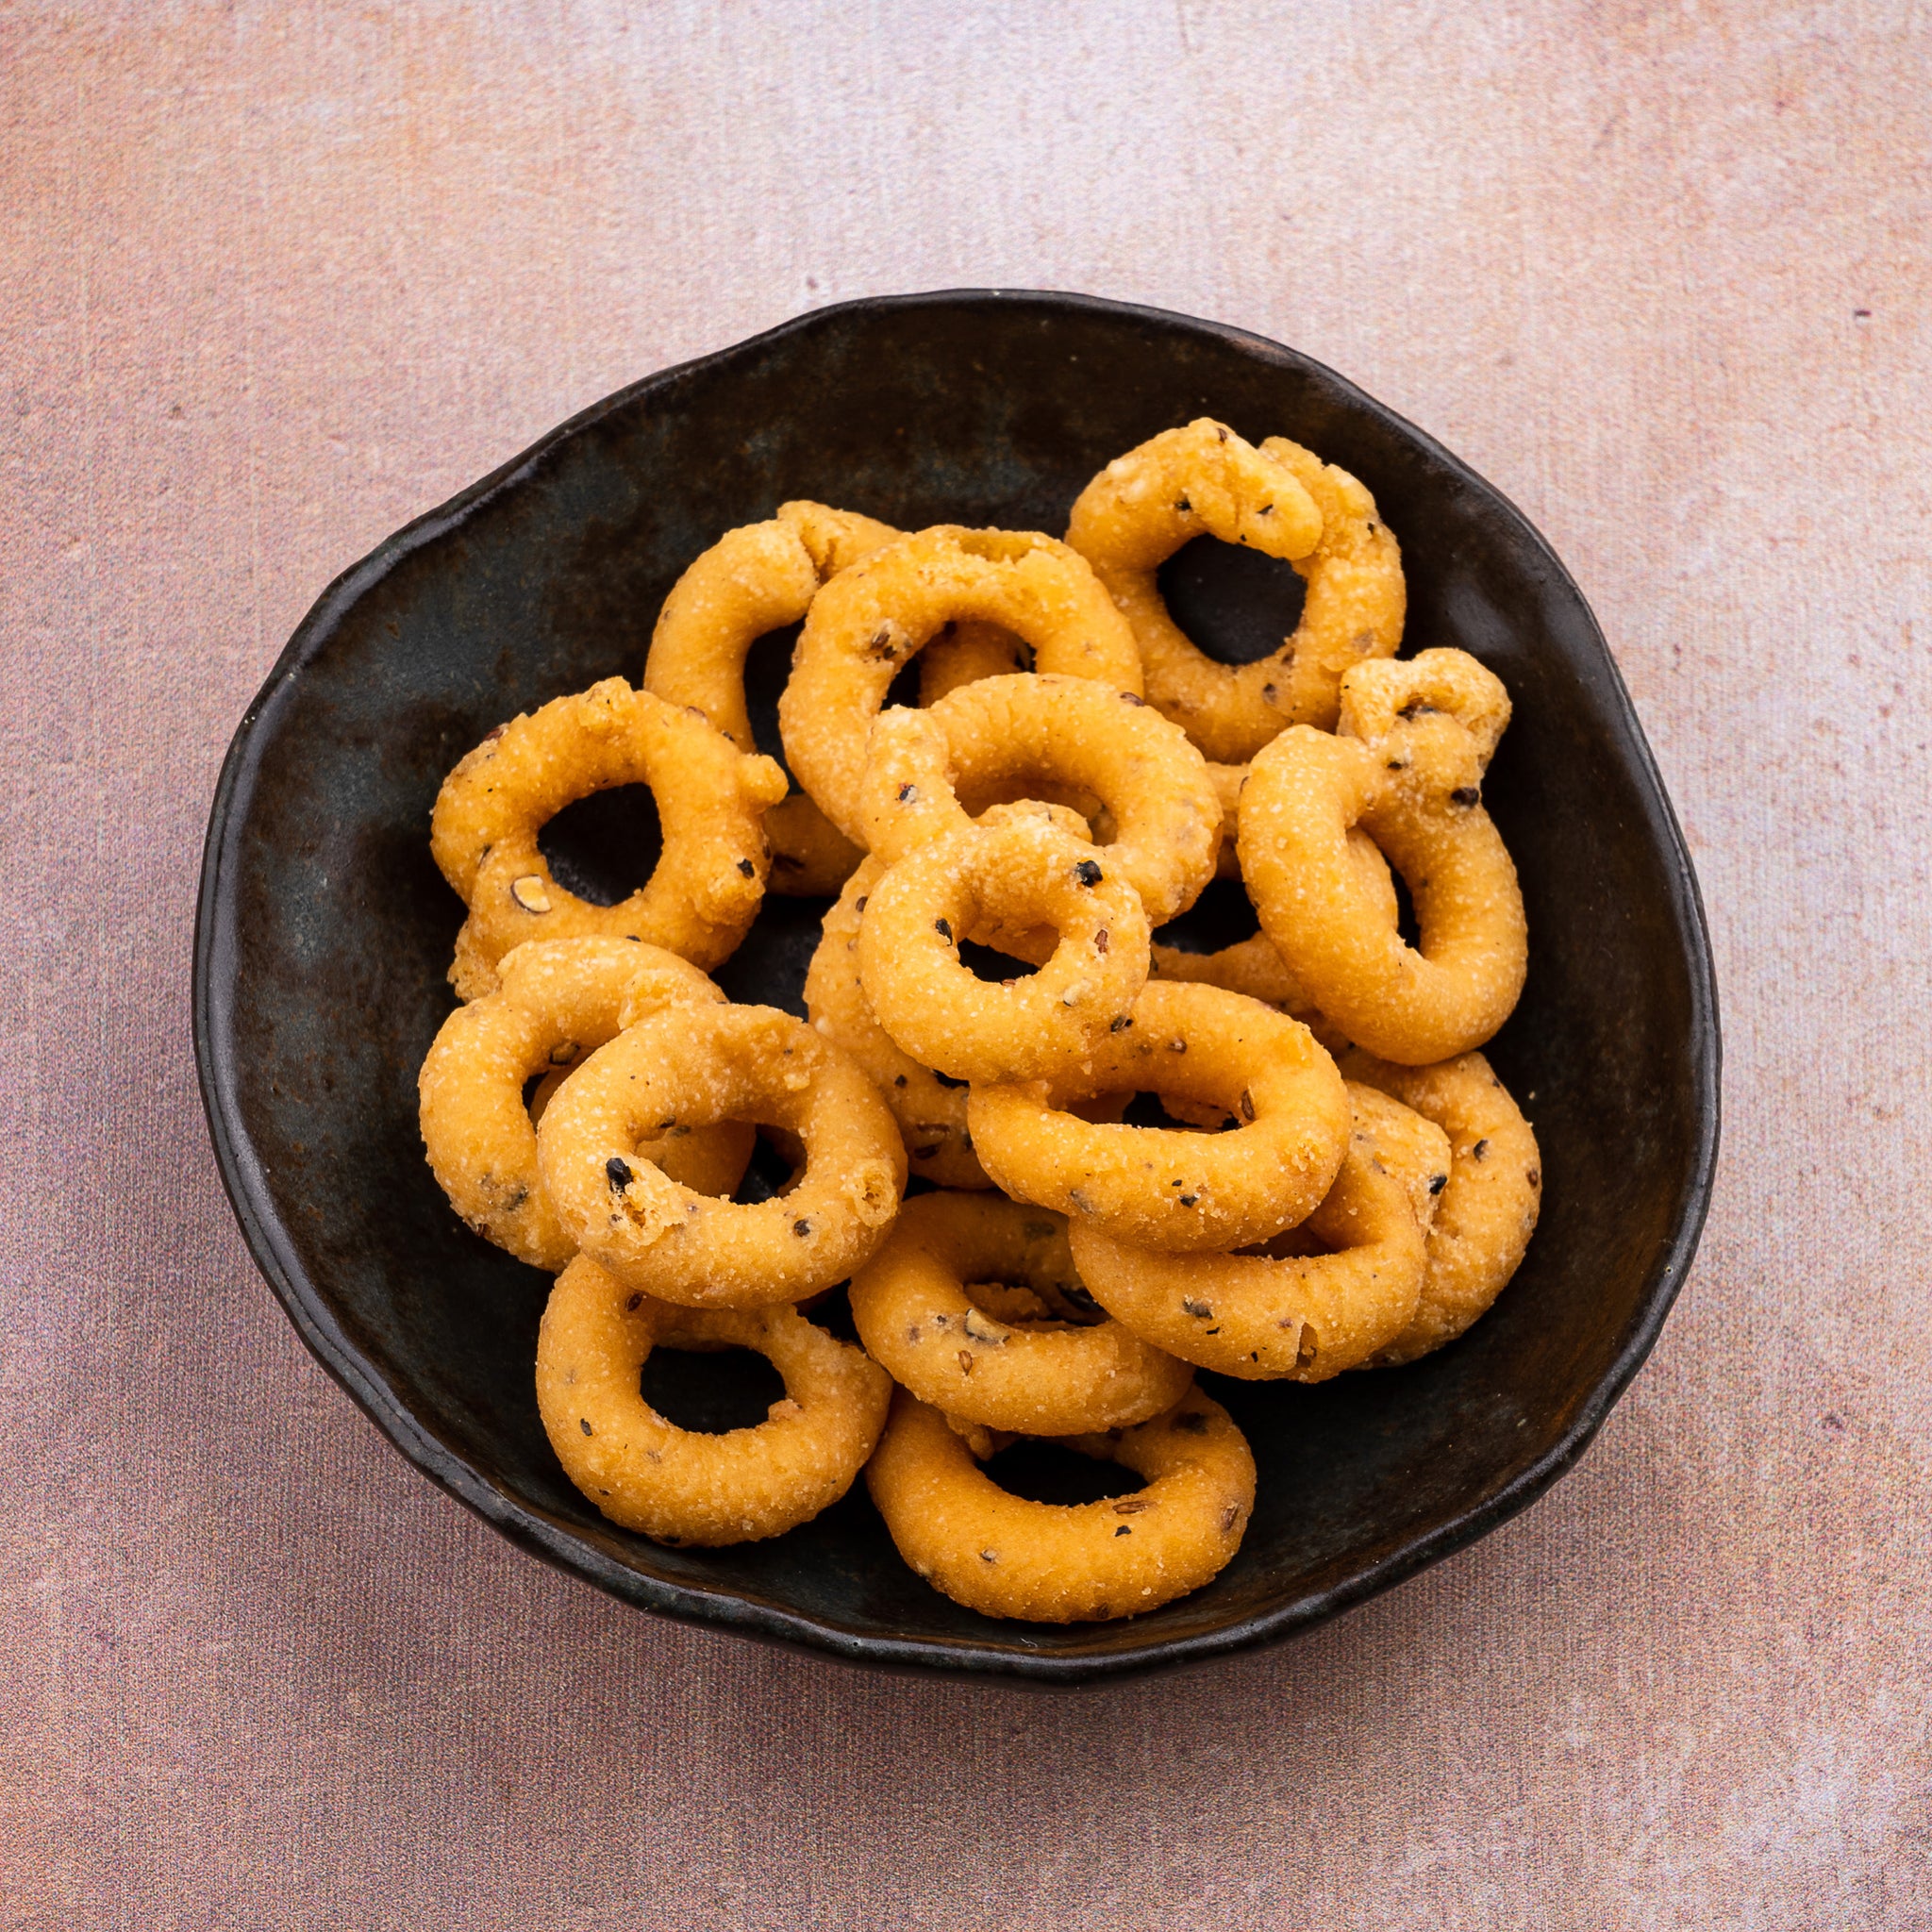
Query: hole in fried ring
[(1280, 499), (868, 622), (693, 1066), (556, 1001), (968, 1351), (1067, 1563), (1269, 1317), (709, 880), (688, 1486), (1416, 739), (1169, 1188), (1068, 735)]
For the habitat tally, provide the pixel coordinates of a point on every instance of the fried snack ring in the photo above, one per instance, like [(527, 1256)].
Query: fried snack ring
[(1057, 1563), (1021, 872), (869, 620), (1296, 1317), (708, 883), (1416, 739), (755, 579), (937, 1336), (1166, 1187), (929, 1108), (557, 1000), (1203, 480), (1485, 1212), (1072, 735), (684, 1485), (1408, 1147), (692, 1066), (1251, 966)]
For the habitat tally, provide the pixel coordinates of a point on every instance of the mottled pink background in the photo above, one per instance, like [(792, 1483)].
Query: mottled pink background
[(275, 278)]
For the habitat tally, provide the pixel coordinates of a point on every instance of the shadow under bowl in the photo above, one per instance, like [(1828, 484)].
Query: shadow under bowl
[(324, 931)]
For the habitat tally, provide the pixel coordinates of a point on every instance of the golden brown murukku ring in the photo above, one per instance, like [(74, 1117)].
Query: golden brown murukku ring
[(921, 1313), (1072, 735), (1021, 872), (1203, 480), (557, 1000), (1408, 1147), (757, 578), (684, 1485), (1067, 1563), (869, 620), (1261, 1317), (709, 880), (692, 1066), (1249, 967), (929, 1108), (1253, 967), (1168, 1187), (1486, 1208), (1412, 780)]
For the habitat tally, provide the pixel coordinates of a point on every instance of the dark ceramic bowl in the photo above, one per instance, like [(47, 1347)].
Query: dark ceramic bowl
[(324, 932)]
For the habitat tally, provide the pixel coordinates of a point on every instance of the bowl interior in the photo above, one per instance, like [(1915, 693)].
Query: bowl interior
[(325, 932)]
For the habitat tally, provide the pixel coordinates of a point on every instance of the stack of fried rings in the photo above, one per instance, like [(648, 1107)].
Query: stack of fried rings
[(1321, 1173)]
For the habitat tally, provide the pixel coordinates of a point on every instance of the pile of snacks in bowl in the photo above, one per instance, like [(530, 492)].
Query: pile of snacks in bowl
[(1333, 1179)]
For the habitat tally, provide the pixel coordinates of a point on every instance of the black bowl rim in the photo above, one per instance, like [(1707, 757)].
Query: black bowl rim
[(246, 1182)]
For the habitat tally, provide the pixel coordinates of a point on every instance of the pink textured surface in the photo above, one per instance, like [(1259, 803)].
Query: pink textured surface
[(272, 279)]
